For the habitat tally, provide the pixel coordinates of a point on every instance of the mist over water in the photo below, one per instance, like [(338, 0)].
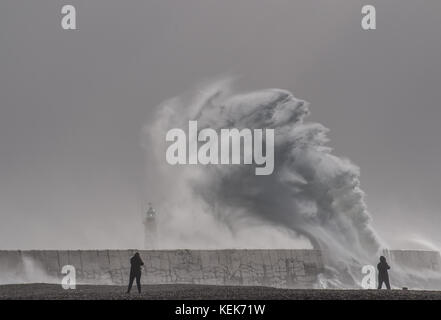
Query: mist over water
[(312, 199)]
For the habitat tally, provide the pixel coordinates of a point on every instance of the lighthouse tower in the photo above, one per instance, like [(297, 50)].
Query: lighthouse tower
[(150, 228)]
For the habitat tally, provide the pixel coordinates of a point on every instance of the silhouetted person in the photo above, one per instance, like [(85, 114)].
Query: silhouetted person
[(135, 272), (383, 276)]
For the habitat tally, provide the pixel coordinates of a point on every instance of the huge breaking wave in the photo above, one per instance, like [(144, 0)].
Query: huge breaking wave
[(312, 193)]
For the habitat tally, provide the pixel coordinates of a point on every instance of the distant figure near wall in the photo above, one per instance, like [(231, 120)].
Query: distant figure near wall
[(383, 275), (135, 271)]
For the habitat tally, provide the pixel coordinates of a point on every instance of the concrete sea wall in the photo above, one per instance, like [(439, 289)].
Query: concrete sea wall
[(280, 268), (415, 259), (277, 268)]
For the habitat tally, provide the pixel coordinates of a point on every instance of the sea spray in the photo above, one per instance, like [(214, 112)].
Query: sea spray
[(312, 199)]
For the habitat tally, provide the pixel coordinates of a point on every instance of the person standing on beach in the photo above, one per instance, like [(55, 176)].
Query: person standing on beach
[(135, 271), (383, 275)]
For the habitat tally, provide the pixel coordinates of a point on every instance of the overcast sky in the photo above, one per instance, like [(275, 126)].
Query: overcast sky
[(73, 103)]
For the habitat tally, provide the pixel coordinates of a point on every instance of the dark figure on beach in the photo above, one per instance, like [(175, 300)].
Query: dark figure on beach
[(135, 272), (383, 276)]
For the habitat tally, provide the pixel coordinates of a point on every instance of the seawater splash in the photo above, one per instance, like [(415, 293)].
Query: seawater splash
[(312, 199), (26, 270)]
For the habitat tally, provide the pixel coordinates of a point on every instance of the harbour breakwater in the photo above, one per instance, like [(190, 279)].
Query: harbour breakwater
[(276, 268)]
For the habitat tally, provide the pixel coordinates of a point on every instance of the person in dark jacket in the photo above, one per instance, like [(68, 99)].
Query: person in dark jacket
[(135, 271), (383, 276)]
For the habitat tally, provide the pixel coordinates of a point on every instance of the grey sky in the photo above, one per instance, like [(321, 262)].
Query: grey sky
[(73, 103)]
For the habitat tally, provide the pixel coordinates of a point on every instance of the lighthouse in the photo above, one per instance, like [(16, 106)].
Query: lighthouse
[(150, 228)]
